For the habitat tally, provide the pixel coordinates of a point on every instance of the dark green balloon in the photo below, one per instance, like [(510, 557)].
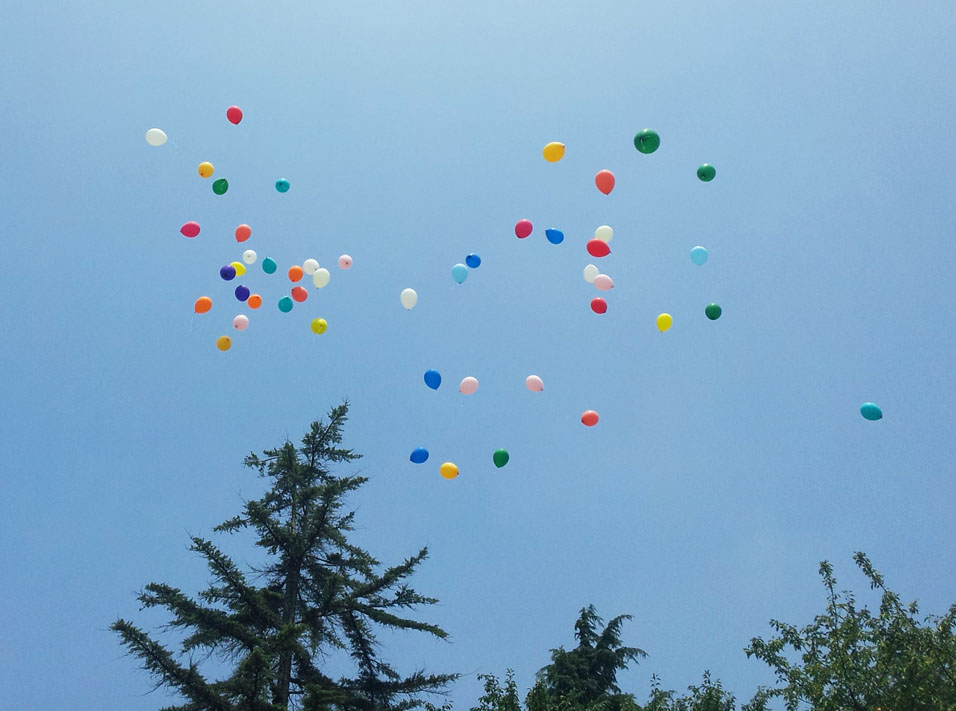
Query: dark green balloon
[(706, 172), (647, 141), (500, 457), (220, 186), (713, 311)]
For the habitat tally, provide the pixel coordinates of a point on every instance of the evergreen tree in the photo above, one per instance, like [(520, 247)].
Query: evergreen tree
[(321, 593)]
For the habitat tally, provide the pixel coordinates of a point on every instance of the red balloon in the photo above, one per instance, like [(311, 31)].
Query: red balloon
[(589, 418), (598, 248), (234, 114), (598, 305), (523, 228), (190, 229), (299, 294), (604, 181), (243, 232)]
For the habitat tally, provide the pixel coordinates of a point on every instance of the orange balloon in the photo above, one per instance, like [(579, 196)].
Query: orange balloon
[(604, 181), (295, 273), (243, 232), (299, 294), (254, 301), (202, 305), (589, 418)]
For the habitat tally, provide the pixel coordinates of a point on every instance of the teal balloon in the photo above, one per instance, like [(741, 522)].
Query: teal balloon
[(712, 311), (706, 172), (500, 457), (459, 273), (282, 185), (419, 455), (698, 255), (871, 411), (220, 186), (285, 304), (269, 265), (647, 141)]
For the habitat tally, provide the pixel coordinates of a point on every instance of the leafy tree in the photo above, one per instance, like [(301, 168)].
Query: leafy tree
[(709, 696), (321, 593), (852, 660)]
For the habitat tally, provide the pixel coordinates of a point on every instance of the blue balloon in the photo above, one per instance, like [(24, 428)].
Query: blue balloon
[(432, 379), (459, 273), (473, 261), (242, 292), (554, 236), (871, 411), (228, 272), (419, 455), (698, 255)]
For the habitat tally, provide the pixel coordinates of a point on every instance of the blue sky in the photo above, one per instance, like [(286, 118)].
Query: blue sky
[(730, 457)]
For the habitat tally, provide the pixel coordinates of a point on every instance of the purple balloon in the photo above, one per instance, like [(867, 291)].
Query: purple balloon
[(242, 292), (228, 272)]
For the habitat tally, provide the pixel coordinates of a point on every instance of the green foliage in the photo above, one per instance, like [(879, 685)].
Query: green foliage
[(709, 696)]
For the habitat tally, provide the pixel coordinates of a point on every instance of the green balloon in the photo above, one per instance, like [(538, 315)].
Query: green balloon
[(500, 457), (706, 172), (220, 186), (285, 304), (269, 265), (712, 311), (647, 141)]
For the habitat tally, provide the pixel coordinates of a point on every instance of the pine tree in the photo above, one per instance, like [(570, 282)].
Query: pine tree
[(320, 594)]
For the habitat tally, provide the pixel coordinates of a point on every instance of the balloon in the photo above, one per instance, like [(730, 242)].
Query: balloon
[(319, 325), (597, 248), (309, 266), (243, 293), (590, 273), (871, 411), (534, 383), (712, 311), (228, 272), (282, 185), (603, 282), (468, 385), (432, 379), (285, 304), (589, 418), (500, 457), (473, 261), (409, 298), (254, 301), (240, 322), (706, 173), (239, 267), (698, 255), (234, 114), (647, 141), (202, 305), (598, 305), (220, 186), (190, 229), (664, 321), (554, 236), (243, 232), (604, 181), (604, 233), (295, 273), (269, 265), (419, 455), (299, 293), (249, 256), (321, 277), (523, 228), (156, 137), (459, 273), (553, 152), (345, 262), (205, 169), (224, 343), (448, 470)]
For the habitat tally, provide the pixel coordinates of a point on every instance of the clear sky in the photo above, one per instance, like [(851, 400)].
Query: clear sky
[(730, 458)]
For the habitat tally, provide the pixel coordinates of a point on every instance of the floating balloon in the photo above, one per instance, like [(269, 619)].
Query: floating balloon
[(228, 272), (473, 261), (590, 273), (224, 343), (604, 233), (295, 273), (647, 141), (448, 470), (589, 418), (698, 255), (432, 379), (468, 385), (706, 173), (282, 185), (243, 232), (239, 267), (240, 322), (299, 294), (156, 137), (604, 181), (523, 228), (319, 325), (309, 266), (345, 262), (202, 305), (500, 457), (285, 304), (459, 273), (205, 169), (190, 229), (269, 265), (664, 321), (220, 186), (243, 293), (254, 301), (603, 282), (249, 256), (534, 383), (234, 114), (712, 311), (871, 411), (598, 305), (553, 152), (321, 277), (597, 248), (409, 297), (419, 455), (554, 236)]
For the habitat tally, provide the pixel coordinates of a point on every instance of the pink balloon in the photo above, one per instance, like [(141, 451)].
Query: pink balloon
[(345, 262), (523, 228), (534, 384), (190, 229), (604, 181), (598, 248), (240, 322), (468, 385), (603, 282)]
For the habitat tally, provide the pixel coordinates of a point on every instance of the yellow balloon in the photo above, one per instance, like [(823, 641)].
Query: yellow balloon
[(553, 152), (205, 169), (239, 267), (664, 321), (224, 343), (319, 325), (448, 470)]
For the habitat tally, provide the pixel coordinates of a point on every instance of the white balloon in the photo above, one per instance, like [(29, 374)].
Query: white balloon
[(603, 282), (320, 277), (309, 266), (604, 233), (156, 137), (249, 256), (590, 271), (409, 298)]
